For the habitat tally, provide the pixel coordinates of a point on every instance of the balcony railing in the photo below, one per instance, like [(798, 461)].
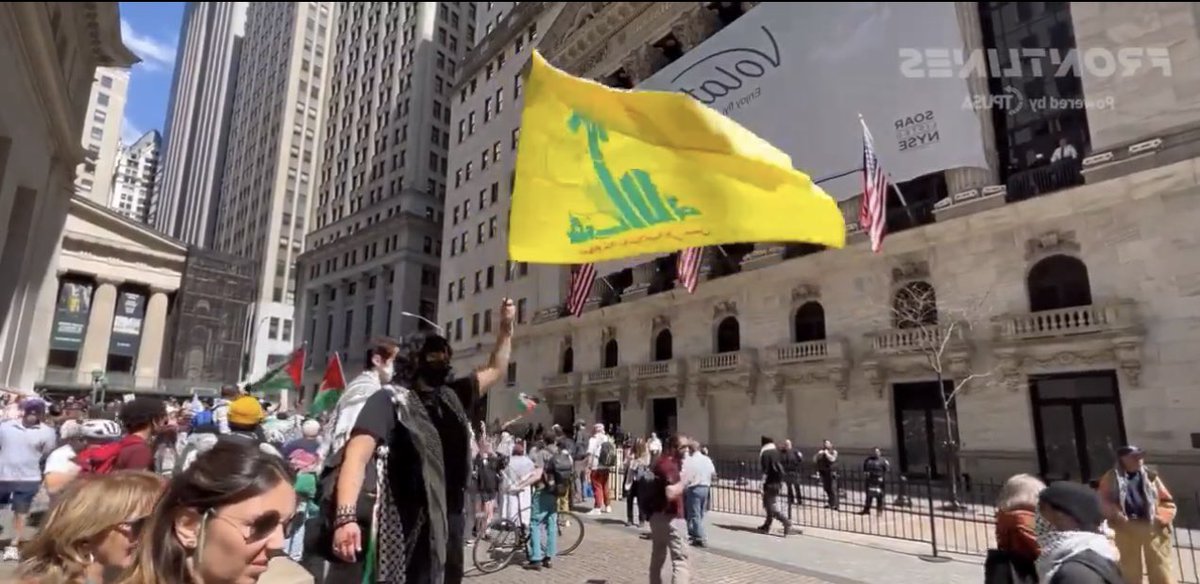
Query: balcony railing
[(1061, 322), (557, 380), (801, 352), (1040, 180), (606, 375), (653, 370), (909, 340), (723, 362)]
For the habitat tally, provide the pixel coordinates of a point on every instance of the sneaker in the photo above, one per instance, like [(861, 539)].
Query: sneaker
[(534, 566), (594, 512), (11, 554), (608, 508), (546, 563)]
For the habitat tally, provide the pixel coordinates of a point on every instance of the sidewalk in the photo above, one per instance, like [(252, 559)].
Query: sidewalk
[(836, 557)]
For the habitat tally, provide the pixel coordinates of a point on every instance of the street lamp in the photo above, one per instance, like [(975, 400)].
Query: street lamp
[(424, 320)]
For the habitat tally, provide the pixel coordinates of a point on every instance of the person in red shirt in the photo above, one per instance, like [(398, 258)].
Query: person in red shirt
[(668, 530), (142, 417)]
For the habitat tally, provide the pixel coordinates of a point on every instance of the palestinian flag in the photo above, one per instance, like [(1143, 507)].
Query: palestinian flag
[(527, 403), (286, 375), (331, 387)]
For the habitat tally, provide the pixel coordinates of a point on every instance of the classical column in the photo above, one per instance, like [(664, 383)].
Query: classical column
[(154, 326), (380, 295), (94, 354), (360, 328)]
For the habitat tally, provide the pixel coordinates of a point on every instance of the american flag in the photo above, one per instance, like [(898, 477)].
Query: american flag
[(583, 277), (872, 214), (687, 267)]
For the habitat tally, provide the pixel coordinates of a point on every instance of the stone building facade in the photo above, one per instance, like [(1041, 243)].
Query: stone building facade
[(1068, 306)]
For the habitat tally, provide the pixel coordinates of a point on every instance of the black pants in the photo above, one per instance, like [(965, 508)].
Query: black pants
[(793, 492), (829, 483), (874, 493), (633, 505), (771, 505), (455, 522)]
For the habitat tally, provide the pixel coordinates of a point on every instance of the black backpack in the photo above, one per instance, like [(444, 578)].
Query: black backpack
[(608, 455), (559, 473)]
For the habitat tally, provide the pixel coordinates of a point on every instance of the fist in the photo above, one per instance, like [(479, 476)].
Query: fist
[(508, 312)]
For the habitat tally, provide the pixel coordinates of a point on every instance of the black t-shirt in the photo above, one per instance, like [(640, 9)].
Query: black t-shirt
[(378, 419)]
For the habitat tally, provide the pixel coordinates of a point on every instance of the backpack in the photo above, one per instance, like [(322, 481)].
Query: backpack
[(203, 419), (99, 459), (559, 473), (608, 455)]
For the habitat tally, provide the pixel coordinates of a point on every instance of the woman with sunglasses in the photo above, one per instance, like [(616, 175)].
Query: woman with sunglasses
[(220, 522), (92, 531)]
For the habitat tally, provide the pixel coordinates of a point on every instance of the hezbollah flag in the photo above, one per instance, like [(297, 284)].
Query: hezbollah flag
[(605, 174), (286, 375), (331, 387)]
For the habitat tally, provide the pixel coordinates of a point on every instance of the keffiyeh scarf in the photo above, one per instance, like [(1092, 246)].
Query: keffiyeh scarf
[(1059, 546)]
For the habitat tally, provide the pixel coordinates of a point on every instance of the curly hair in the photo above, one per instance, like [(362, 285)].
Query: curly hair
[(139, 413)]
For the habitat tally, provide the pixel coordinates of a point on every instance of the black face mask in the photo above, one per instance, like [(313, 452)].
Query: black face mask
[(434, 374)]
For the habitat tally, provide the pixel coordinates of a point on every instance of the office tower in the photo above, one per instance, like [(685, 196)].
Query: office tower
[(272, 161), (372, 257), (476, 275), (198, 119), (102, 134), (135, 178)]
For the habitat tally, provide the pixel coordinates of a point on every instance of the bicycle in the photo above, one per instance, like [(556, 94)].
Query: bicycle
[(505, 538)]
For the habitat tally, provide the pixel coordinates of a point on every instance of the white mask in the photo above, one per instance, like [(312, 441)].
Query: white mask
[(385, 374)]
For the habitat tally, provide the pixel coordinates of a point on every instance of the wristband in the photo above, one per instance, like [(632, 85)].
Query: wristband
[(341, 520), (345, 510)]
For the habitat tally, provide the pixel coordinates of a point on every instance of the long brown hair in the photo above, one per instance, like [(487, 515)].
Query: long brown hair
[(87, 508), (229, 473)]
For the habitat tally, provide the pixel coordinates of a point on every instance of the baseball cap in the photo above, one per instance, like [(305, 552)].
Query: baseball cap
[(245, 411), (34, 406), (1130, 449)]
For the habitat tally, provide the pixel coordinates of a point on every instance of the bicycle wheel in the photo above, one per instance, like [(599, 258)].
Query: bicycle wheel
[(570, 532), (496, 551)]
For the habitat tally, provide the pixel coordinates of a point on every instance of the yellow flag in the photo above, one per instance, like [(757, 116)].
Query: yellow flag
[(605, 174)]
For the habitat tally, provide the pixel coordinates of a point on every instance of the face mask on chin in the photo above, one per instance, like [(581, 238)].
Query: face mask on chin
[(385, 374)]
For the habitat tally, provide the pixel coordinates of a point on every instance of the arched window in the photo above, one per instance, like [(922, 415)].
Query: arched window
[(568, 360), (1058, 281), (663, 350), (808, 324), (611, 354), (914, 305), (729, 335)]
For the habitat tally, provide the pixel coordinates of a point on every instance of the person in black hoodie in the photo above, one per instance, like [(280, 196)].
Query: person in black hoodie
[(875, 468), (1073, 551), (771, 463)]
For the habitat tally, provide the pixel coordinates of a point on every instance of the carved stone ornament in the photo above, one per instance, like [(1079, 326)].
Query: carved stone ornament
[(1129, 358), (778, 387), (640, 64), (640, 394), (723, 309), (805, 292), (875, 376), (607, 335), (661, 321), (910, 271), (623, 395), (1069, 359), (840, 377), (1050, 243)]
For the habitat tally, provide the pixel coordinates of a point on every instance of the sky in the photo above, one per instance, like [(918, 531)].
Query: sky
[(151, 30)]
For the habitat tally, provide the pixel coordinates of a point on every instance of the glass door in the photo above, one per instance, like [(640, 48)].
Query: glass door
[(1078, 423)]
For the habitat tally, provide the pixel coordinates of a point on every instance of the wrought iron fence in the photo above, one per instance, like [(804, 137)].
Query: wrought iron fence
[(915, 508)]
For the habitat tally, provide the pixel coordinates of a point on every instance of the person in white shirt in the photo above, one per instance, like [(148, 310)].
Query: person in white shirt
[(60, 466), (23, 444), (599, 448), (698, 472), (654, 445), (1064, 150)]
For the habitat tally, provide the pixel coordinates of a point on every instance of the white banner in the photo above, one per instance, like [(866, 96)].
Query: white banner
[(799, 75)]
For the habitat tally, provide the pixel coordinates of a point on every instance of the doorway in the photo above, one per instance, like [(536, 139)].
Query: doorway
[(921, 427), (1077, 422), (664, 416), (609, 414), (564, 416)]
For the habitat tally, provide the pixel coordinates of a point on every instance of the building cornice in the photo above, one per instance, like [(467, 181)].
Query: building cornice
[(510, 28)]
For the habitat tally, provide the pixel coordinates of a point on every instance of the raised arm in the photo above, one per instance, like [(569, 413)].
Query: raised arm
[(496, 367)]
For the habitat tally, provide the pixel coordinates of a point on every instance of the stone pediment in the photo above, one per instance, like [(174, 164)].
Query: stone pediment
[(95, 228)]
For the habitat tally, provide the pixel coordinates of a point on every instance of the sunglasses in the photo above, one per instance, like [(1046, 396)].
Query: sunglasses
[(262, 527)]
